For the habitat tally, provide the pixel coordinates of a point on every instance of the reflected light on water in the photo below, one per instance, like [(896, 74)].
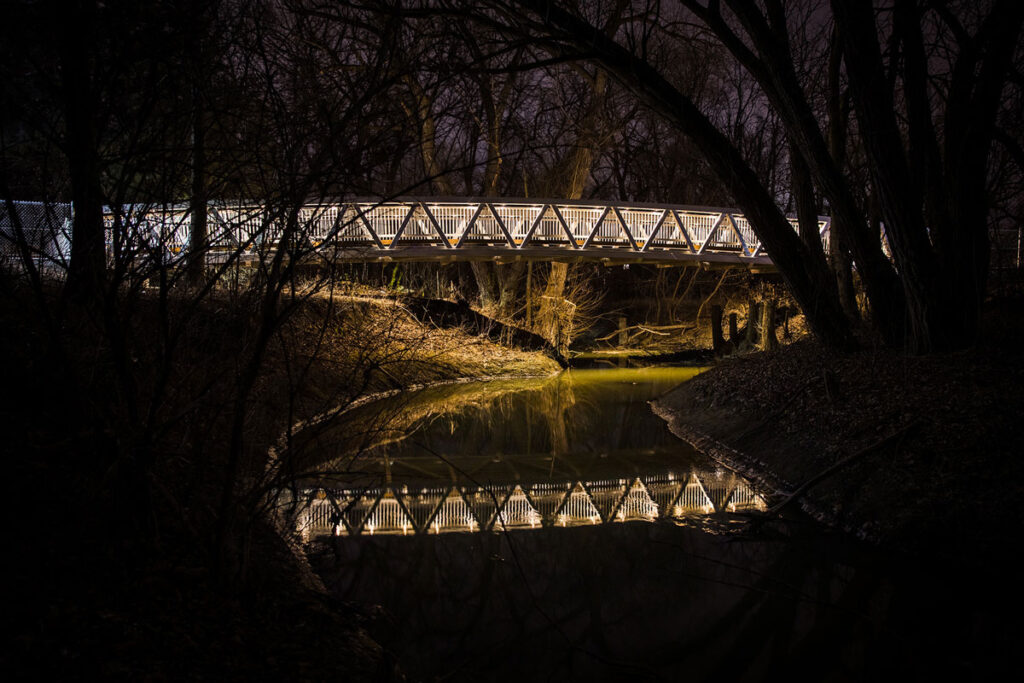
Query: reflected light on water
[(404, 511)]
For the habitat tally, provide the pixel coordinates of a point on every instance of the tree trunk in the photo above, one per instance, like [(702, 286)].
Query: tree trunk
[(753, 314), (508, 276), (483, 273), (197, 243), (88, 266), (809, 280), (717, 341), (771, 64), (768, 340), (529, 295)]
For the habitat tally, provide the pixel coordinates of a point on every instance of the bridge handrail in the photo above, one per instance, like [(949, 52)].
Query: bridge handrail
[(445, 224)]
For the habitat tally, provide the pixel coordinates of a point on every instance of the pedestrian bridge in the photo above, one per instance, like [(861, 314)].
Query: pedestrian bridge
[(397, 510), (419, 229)]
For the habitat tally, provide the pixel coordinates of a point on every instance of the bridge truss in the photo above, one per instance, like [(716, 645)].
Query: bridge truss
[(421, 229)]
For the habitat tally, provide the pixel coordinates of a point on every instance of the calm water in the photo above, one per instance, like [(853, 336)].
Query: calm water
[(555, 530)]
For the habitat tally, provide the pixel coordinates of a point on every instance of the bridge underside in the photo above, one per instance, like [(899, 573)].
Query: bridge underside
[(603, 255)]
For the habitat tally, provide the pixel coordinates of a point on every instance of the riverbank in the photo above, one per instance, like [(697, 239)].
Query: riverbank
[(122, 431), (919, 454)]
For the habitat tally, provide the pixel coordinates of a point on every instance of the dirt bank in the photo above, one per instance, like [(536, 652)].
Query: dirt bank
[(926, 451)]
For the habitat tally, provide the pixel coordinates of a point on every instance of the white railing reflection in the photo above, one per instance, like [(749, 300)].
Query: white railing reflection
[(437, 510)]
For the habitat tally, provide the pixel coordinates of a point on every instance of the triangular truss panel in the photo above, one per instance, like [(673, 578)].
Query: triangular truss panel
[(577, 509), (335, 223), (486, 228), (694, 229), (718, 485), (171, 228), (748, 241), (358, 512), (386, 222), (520, 221), (606, 495), (663, 491), (388, 516), (692, 500), (219, 232), (452, 220), (324, 515), (644, 224), (453, 514), (420, 229), (744, 499), (547, 498), (668, 235), (314, 223), (484, 504), (581, 222), (611, 231), (548, 228), (423, 504), (246, 223), (517, 512), (723, 236), (636, 505), (140, 230)]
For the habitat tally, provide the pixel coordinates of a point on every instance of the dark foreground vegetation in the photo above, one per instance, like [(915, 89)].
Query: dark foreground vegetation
[(145, 504)]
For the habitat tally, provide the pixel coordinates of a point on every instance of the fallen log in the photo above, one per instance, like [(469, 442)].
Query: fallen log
[(445, 314)]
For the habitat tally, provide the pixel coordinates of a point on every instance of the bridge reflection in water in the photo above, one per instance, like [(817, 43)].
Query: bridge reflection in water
[(437, 510)]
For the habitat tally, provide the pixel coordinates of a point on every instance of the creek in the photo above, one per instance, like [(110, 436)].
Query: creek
[(555, 528)]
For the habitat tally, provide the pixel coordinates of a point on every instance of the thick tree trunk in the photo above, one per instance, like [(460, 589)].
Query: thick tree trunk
[(198, 211), (578, 171), (717, 340), (508, 277), (198, 208), (809, 280), (904, 222), (87, 269), (769, 342), (942, 252), (483, 273), (753, 315), (772, 66)]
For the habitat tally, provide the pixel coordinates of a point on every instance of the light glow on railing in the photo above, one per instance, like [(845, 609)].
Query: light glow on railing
[(566, 504)]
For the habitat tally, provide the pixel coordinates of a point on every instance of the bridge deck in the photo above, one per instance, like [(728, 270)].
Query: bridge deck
[(429, 229)]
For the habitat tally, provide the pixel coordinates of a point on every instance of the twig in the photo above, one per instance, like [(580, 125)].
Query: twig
[(714, 291), (800, 490), (653, 329), (797, 393)]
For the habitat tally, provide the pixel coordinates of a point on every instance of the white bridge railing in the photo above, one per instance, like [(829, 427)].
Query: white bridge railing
[(398, 510), (426, 226)]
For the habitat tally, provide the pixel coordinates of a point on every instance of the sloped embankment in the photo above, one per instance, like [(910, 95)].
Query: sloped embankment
[(917, 452)]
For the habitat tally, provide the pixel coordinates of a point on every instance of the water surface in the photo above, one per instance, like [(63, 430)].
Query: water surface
[(555, 530)]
